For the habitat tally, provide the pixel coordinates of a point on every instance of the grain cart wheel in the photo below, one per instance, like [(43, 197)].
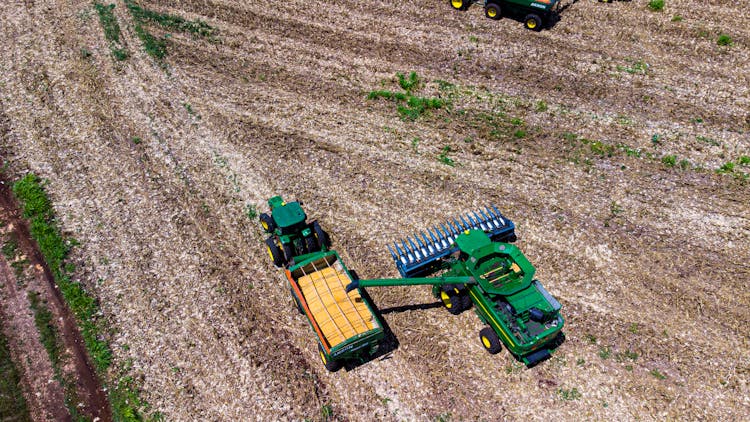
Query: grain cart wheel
[(320, 235), (493, 11), (296, 301), (533, 22), (288, 251), (310, 244), (459, 4), (331, 365), (451, 300), (267, 223), (274, 252), (489, 340)]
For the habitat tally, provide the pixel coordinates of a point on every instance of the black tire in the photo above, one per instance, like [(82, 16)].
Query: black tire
[(490, 341), (331, 365), (459, 4), (266, 221), (311, 244), (451, 300), (465, 302), (274, 252), (288, 251), (493, 11), (321, 236), (297, 302), (533, 22)]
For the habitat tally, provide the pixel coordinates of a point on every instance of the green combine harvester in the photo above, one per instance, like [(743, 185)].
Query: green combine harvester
[(535, 14), (467, 261)]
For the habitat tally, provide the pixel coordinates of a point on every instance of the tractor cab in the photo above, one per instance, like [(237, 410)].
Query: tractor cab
[(288, 216)]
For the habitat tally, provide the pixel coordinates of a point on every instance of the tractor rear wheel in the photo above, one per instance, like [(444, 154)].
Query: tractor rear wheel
[(310, 244), (331, 365), (533, 22), (459, 4), (489, 340), (274, 252), (288, 251), (266, 221), (493, 11), (321, 236)]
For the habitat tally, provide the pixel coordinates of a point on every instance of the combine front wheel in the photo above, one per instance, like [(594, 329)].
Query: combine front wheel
[(451, 301), (489, 340), (493, 11)]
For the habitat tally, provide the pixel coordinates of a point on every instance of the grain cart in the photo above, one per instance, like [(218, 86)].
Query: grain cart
[(465, 266), (535, 13), (291, 234), (344, 321)]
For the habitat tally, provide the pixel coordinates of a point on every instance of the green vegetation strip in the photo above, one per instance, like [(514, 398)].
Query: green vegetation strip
[(157, 47), (12, 403), (108, 20), (37, 208)]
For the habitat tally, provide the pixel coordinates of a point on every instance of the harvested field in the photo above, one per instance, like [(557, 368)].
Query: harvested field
[(618, 141)]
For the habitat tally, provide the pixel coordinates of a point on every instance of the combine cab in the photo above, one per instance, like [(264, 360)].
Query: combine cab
[(291, 235), (535, 14), (470, 263)]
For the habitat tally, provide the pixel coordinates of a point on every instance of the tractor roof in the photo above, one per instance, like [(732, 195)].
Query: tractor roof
[(286, 214)]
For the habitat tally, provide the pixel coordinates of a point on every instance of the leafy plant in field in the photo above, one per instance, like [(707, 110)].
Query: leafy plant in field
[(635, 67), (568, 395), (724, 40), (443, 157), (657, 374), (656, 5), (412, 106), (669, 160)]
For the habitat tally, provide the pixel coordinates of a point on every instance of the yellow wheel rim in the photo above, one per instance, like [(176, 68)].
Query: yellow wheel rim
[(491, 12), (457, 3), (268, 249), (323, 357), (486, 342), (531, 23), (265, 226), (446, 299)]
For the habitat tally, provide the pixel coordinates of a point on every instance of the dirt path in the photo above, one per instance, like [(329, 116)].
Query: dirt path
[(27, 274), (565, 130)]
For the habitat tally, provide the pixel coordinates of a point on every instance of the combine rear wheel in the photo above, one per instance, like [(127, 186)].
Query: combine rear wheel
[(489, 340), (533, 22), (274, 252), (459, 4), (493, 11), (331, 365), (266, 221)]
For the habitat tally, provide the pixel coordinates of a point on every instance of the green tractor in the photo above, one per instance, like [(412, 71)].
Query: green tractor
[(535, 14), (290, 234), (469, 262)]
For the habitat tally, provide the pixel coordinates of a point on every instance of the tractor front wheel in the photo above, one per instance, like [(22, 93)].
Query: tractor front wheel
[(459, 4), (266, 221), (274, 252), (490, 341), (533, 22), (331, 365), (493, 11)]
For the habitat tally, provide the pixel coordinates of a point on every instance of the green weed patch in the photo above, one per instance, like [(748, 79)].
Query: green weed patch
[(108, 20), (412, 106)]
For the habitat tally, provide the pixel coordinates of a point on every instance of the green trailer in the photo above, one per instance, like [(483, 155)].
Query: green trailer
[(344, 321), (535, 14)]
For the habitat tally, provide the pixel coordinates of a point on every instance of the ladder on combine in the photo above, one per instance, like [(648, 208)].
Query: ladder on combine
[(421, 253)]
